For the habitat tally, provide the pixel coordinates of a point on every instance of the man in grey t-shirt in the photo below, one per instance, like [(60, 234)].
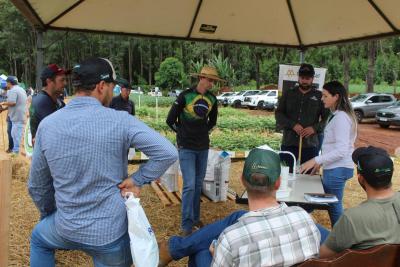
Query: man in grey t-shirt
[(376, 221), (16, 105)]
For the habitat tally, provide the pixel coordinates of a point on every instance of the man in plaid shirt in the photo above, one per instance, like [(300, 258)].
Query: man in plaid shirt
[(270, 234)]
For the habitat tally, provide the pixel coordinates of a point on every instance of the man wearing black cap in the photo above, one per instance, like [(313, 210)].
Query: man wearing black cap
[(47, 100), (301, 115), (79, 171), (375, 221), (16, 106), (122, 102)]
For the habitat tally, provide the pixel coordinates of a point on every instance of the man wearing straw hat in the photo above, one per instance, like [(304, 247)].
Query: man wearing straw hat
[(302, 116), (192, 116)]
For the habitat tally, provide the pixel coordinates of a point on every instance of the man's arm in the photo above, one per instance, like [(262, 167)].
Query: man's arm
[(175, 111), (8, 104), (212, 118), (282, 120), (160, 151), (325, 252), (40, 183), (342, 237)]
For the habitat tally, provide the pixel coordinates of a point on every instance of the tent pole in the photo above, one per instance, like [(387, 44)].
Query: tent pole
[(39, 57)]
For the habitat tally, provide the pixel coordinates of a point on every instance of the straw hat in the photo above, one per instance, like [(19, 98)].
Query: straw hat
[(208, 72)]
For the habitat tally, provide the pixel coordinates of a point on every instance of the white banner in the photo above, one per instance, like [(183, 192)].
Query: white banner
[(288, 77)]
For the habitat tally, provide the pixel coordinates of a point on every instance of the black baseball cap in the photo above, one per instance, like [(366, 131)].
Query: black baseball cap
[(12, 79), (93, 70), (375, 165), (53, 70), (123, 83), (306, 70)]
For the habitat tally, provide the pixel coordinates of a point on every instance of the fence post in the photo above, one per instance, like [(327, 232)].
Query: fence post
[(5, 205)]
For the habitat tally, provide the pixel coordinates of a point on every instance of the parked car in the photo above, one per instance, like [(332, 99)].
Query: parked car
[(389, 116), (174, 93), (237, 100), (366, 105), (154, 92), (270, 106), (258, 100), (223, 98)]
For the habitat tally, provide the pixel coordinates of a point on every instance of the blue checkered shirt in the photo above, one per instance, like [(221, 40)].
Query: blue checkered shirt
[(80, 157)]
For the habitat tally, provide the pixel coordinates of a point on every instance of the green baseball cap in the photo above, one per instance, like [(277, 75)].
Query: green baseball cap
[(262, 161)]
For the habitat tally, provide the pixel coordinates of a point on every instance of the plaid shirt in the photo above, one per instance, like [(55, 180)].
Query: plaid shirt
[(277, 236)]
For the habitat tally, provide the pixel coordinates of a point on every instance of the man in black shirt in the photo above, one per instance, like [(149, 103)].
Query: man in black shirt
[(301, 115), (192, 116), (122, 101), (47, 100)]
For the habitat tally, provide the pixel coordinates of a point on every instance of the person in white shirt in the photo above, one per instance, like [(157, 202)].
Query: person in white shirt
[(338, 145)]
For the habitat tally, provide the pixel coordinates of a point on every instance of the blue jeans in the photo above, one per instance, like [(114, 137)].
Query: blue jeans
[(324, 233), (45, 240), (10, 140), (333, 181), (197, 245), (193, 165), (16, 134)]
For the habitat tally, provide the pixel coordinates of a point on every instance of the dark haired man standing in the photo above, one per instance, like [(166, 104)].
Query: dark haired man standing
[(301, 115), (79, 170), (122, 101), (192, 116), (48, 99)]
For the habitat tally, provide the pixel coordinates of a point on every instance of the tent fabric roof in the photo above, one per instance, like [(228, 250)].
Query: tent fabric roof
[(287, 23)]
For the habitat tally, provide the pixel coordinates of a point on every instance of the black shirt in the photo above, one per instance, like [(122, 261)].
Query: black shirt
[(305, 109), (192, 116), (42, 106), (118, 103)]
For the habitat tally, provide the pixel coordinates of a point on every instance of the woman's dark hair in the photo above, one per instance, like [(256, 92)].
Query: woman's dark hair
[(343, 103)]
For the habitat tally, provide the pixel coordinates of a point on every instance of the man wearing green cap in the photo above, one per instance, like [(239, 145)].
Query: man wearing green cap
[(270, 234)]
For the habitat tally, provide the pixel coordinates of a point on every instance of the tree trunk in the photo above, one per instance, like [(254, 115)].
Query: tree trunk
[(257, 61), (130, 56), (346, 65), (371, 65), (150, 63), (141, 59)]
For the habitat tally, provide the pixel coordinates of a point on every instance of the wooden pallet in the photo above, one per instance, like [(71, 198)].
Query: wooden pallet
[(175, 198)]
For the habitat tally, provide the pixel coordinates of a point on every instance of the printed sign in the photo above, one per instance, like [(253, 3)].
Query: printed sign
[(288, 77)]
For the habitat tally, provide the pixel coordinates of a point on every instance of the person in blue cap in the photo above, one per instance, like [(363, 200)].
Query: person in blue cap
[(16, 106)]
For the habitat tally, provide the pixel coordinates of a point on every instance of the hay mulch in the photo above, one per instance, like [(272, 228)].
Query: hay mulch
[(165, 221)]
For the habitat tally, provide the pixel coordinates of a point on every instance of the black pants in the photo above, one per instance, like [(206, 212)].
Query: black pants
[(306, 154)]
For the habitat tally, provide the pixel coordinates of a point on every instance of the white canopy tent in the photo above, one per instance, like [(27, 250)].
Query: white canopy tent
[(286, 23), (289, 23)]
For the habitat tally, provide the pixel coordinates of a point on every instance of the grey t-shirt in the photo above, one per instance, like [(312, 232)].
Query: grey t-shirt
[(373, 222), (18, 96)]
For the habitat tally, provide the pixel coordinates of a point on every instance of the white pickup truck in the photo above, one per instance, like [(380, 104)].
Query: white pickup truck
[(236, 101), (258, 100)]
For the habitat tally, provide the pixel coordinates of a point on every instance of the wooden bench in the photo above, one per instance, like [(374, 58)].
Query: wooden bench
[(383, 256)]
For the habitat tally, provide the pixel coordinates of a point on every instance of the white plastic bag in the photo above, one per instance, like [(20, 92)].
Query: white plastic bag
[(144, 246)]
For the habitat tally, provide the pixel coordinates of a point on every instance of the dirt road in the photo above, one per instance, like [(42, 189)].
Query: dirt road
[(369, 133)]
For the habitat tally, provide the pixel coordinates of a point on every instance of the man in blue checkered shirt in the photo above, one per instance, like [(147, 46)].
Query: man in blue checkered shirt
[(270, 234), (79, 170)]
